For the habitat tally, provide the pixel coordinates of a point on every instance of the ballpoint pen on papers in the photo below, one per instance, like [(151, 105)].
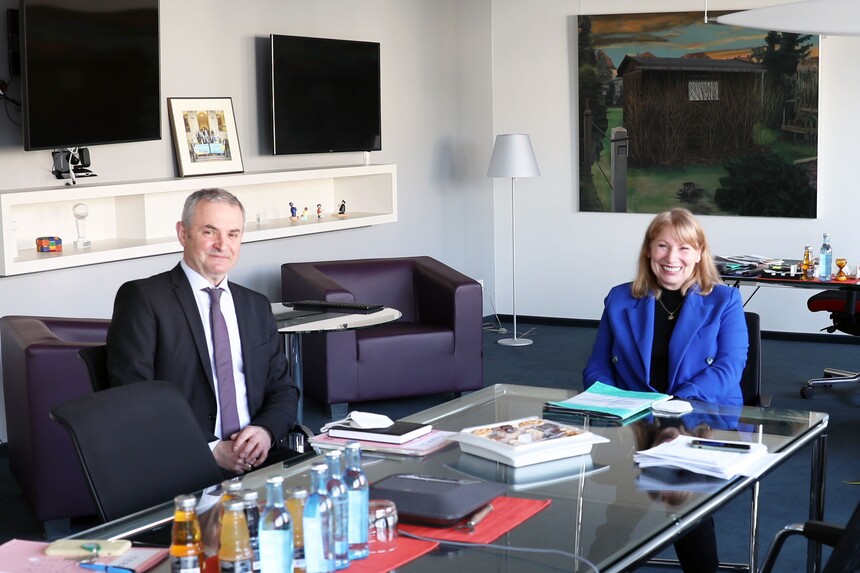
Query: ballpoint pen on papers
[(105, 567)]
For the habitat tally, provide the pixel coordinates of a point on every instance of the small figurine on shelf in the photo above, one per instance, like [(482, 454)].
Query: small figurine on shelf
[(342, 209), (81, 212), (305, 214), (319, 211), (294, 213)]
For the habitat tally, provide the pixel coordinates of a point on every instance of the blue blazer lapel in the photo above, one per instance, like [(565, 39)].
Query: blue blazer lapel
[(640, 319)]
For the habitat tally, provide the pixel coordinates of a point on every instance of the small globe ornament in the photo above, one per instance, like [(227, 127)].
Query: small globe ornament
[(81, 211)]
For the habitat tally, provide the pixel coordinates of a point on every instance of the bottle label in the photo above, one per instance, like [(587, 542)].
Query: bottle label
[(241, 566), (187, 564), (358, 512), (315, 549)]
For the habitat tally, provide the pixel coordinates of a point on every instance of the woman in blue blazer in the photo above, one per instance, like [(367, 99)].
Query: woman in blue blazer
[(675, 329)]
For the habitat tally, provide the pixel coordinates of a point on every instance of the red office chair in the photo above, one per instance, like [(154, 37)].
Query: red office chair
[(844, 309)]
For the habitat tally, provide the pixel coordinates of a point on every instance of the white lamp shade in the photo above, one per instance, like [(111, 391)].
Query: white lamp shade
[(513, 156), (821, 17)]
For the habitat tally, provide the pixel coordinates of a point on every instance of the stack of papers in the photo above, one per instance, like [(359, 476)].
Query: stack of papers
[(605, 401), (723, 464)]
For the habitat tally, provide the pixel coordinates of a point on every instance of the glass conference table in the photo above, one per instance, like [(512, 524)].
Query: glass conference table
[(604, 508)]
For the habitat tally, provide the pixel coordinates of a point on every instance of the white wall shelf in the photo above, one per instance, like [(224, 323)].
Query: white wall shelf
[(138, 219)]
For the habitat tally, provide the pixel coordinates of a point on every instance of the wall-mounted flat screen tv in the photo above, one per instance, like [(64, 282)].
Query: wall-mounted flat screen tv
[(90, 71), (325, 95)]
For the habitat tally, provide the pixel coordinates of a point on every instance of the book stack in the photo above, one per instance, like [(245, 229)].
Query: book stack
[(397, 433), (421, 446)]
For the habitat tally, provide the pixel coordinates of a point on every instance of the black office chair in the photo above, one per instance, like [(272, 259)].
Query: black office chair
[(751, 388), (139, 446), (845, 557), (844, 309), (751, 376), (95, 358)]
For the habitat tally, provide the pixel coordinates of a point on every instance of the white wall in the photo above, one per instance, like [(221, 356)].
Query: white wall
[(567, 260), (436, 128)]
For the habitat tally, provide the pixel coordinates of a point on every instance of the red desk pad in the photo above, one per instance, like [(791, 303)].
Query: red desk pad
[(508, 512), (407, 550)]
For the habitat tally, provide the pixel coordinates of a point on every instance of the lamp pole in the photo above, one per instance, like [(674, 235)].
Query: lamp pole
[(514, 341)]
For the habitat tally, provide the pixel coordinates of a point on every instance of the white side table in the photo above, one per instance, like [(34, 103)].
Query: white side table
[(294, 327)]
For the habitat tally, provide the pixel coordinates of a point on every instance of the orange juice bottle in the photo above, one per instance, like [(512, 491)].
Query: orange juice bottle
[(235, 555), (186, 546)]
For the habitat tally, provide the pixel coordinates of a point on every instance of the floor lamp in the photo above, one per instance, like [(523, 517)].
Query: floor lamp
[(513, 157)]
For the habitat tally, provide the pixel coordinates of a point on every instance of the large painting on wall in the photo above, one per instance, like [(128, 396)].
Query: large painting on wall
[(675, 112)]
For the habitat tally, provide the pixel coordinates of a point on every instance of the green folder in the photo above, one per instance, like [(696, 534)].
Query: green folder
[(605, 401)]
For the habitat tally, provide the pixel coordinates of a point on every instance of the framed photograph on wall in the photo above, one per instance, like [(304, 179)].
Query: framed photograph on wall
[(204, 136)]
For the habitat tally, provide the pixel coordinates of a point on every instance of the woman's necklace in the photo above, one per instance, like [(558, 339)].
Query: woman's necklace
[(671, 313)]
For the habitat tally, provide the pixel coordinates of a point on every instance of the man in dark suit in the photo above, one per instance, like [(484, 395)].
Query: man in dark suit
[(165, 328)]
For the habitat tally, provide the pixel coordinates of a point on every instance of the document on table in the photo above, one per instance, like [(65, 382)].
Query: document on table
[(723, 464), (603, 400)]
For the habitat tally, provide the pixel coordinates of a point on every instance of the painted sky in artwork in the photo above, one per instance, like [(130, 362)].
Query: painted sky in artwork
[(672, 35)]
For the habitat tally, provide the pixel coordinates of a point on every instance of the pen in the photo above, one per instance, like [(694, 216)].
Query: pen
[(721, 446), (105, 567), (477, 518)]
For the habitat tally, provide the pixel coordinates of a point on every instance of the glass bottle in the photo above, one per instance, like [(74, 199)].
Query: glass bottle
[(252, 517), (806, 263), (230, 489), (826, 259), (358, 493), (234, 556), (276, 531), (336, 488), (296, 507), (318, 523), (186, 545)]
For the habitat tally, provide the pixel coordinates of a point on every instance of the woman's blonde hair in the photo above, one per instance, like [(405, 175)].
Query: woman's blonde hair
[(686, 229)]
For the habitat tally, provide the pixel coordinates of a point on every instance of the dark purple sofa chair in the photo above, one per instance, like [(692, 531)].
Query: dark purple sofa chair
[(435, 347), (41, 368)]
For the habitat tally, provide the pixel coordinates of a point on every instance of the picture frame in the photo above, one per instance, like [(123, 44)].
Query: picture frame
[(205, 137)]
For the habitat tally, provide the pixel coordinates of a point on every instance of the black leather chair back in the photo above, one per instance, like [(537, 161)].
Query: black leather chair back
[(139, 446), (751, 377)]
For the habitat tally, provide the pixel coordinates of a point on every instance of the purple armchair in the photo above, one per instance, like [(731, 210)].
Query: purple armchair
[(435, 347), (41, 368)]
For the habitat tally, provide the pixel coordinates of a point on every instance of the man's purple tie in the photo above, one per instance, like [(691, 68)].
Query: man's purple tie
[(223, 366)]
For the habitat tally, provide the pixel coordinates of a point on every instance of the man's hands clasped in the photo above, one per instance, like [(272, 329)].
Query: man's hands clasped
[(245, 449)]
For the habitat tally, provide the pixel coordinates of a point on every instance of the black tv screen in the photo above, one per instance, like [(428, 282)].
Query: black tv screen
[(90, 71), (325, 95)]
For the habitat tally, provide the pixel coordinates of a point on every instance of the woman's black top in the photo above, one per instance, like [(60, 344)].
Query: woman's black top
[(670, 303)]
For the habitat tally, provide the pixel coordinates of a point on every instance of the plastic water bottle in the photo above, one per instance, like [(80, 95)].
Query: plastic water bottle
[(276, 531), (318, 524), (358, 494), (825, 259), (336, 488)]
